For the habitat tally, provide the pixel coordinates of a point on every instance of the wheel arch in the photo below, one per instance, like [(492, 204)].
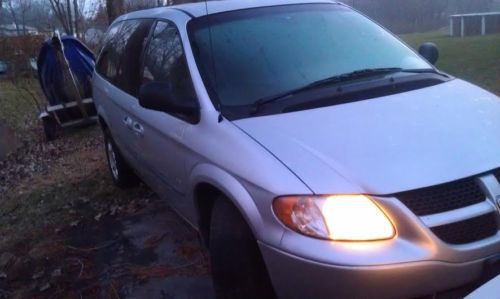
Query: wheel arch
[(102, 117), (210, 182)]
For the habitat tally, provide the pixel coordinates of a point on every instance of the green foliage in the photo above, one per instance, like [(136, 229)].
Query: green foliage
[(475, 58)]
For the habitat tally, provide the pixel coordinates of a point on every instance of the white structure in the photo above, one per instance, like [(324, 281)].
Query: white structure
[(11, 30), (474, 24)]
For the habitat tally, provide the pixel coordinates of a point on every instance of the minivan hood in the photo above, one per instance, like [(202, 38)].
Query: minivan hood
[(389, 144)]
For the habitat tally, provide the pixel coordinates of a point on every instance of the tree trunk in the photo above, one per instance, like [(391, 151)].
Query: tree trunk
[(114, 8), (77, 16), (70, 18), (14, 17), (23, 22), (58, 9)]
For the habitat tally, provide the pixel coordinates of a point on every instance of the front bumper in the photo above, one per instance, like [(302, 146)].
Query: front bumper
[(296, 277)]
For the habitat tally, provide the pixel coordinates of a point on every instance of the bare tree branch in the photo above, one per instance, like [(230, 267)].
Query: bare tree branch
[(59, 11), (76, 16), (69, 17), (14, 17)]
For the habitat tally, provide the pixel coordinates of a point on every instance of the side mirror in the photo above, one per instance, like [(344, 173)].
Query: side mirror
[(430, 52), (159, 97)]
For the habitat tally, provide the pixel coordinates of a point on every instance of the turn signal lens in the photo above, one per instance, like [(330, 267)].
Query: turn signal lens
[(336, 217)]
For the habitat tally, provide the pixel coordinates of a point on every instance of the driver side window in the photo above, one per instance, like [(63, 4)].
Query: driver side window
[(165, 62)]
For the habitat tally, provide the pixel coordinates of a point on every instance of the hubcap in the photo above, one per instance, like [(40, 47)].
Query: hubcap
[(112, 160)]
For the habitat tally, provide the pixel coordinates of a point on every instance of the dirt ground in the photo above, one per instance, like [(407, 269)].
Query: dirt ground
[(67, 232)]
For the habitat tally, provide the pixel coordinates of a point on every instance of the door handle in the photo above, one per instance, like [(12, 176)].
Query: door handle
[(138, 128), (127, 121)]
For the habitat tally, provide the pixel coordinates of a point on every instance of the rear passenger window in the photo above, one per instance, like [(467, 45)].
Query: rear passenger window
[(164, 61), (121, 57), (108, 60), (134, 36)]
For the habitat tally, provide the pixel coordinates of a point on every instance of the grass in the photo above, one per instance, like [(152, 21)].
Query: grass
[(17, 106), (475, 58)]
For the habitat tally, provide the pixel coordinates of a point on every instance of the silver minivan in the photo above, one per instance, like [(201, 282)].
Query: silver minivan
[(317, 154)]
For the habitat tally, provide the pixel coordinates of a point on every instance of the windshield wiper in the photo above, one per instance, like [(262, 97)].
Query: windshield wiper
[(352, 76), (323, 82)]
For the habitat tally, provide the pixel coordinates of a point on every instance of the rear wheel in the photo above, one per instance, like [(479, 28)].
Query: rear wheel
[(122, 174), (237, 266)]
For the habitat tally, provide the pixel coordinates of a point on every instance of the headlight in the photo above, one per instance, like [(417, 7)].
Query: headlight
[(335, 217)]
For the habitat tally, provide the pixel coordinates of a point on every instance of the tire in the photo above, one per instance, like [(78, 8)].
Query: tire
[(237, 266), (122, 174), (50, 128)]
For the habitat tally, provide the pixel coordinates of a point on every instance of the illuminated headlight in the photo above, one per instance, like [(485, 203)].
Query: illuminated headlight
[(335, 217)]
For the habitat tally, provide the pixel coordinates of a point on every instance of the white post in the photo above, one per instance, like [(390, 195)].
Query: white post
[(451, 26), (462, 27), (483, 25)]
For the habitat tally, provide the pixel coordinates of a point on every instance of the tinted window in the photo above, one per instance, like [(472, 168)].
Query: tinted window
[(108, 60), (121, 58), (135, 34), (164, 61)]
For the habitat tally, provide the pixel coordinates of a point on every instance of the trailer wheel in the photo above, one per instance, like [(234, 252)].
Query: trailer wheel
[(50, 128)]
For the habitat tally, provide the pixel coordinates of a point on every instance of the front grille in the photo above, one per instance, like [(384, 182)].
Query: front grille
[(468, 231), (442, 198)]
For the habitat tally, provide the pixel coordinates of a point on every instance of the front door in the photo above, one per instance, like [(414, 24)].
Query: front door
[(162, 143)]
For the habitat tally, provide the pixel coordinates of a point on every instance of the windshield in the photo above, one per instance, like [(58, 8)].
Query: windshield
[(252, 54)]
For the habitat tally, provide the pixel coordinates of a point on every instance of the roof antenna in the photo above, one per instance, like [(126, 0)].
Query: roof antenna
[(219, 108)]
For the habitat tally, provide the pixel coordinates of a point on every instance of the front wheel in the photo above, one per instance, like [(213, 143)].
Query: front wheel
[(237, 266), (123, 176)]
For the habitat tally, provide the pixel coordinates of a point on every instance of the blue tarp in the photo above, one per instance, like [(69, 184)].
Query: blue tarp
[(54, 76)]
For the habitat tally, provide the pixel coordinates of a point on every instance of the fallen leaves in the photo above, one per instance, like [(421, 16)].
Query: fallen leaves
[(6, 260), (70, 219), (162, 271), (44, 287), (98, 217), (56, 273), (154, 240), (38, 275), (144, 273), (37, 157), (98, 247)]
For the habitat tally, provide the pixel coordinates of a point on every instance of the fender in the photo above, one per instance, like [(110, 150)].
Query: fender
[(240, 197)]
